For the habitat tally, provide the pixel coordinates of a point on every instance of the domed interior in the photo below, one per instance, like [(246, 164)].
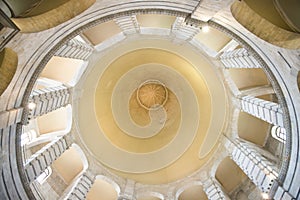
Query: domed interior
[(149, 100)]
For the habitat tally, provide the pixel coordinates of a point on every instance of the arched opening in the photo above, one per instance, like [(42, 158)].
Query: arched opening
[(289, 11), (193, 193), (149, 195), (45, 128), (64, 70), (35, 16), (234, 181), (155, 21), (248, 78), (213, 39), (252, 129), (253, 16), (268, 11), (8, 67), (65, 171), (102, 32), (103, 189)]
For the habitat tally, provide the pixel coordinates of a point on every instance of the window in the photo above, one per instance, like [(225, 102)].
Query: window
[(279, 133)]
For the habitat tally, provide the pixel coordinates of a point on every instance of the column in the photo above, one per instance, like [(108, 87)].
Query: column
[(239, 58), (75, 49), (43, 158), (48, 99), (128, 24), (183, 31), (258, 168), (262, 109), (82, 187), (214, 190), (128, 193)]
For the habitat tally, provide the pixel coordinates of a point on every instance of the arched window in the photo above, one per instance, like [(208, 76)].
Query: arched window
[(279, 133)]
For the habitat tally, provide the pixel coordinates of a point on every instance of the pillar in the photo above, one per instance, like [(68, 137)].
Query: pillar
[(239, 58), (268, 111), (75, 49), (214, 190), (258, 168), (128, 24), (48, 99), (43, 158), (183, 31), (81, 187)]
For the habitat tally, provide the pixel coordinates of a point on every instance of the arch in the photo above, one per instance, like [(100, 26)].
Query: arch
[(8, 67), (101, 32), (66, 170), (150, 196), (104, 187), (69, 165), (64, 70), (45, 132), (110, 181), (45, 20), (191, 190), (57, 122), (278, 133), (252, 129), (248, 78), (262, 28), (82, 156), (229, 175), (289, 11), (193, 193)]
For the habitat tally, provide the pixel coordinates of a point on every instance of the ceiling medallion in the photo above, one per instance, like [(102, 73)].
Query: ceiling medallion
[(152, 94)]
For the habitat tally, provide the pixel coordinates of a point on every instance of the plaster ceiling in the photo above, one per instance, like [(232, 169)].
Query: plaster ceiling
[(176, 134)]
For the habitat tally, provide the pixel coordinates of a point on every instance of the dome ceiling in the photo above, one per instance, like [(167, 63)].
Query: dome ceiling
[(145, 110)]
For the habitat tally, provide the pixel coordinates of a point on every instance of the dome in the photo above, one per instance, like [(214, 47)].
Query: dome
[(149, 100)]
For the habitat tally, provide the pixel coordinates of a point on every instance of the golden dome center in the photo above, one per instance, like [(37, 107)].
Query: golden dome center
[(152, 94)]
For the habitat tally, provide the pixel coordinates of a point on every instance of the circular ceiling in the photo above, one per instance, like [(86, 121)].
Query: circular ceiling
[(148, 108)]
